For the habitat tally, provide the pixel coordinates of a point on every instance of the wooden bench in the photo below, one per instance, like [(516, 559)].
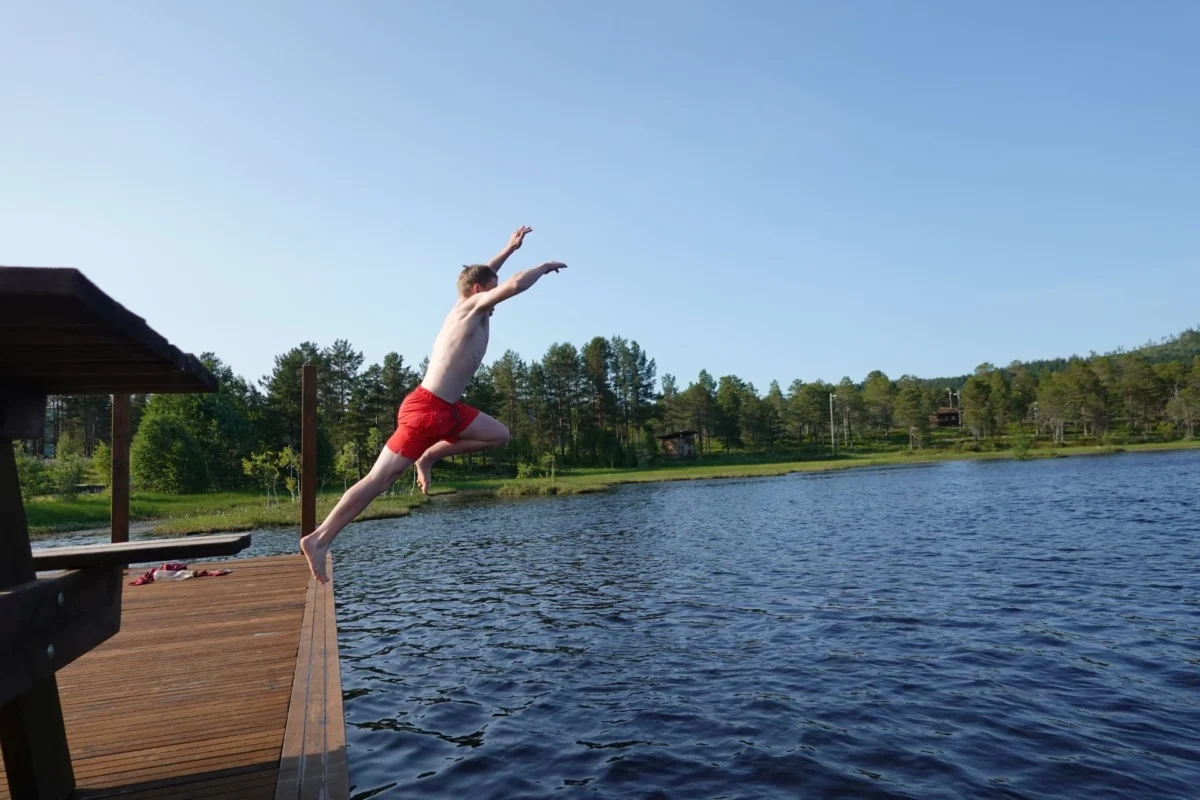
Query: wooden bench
[(45, 624), (49, 622), (185, 548)]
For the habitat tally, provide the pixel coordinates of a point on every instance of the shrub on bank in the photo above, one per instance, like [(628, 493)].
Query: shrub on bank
[(1022, 447), (166, 459), (32, 474), (102, 465)]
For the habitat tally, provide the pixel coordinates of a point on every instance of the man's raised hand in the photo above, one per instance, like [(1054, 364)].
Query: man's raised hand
[(553, 266), (514, 244), (518, 237)]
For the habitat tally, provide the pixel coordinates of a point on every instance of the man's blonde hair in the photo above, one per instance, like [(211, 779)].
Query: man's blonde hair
[(473, 274)]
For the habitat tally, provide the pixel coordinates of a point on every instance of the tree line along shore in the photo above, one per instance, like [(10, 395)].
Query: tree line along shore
[(583, 418)]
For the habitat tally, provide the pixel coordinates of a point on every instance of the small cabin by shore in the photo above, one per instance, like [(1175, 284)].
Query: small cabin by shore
[(680, 444), (945, 418)]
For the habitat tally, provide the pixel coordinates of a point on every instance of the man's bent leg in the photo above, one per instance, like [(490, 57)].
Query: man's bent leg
[(484, 433), (388, 467)]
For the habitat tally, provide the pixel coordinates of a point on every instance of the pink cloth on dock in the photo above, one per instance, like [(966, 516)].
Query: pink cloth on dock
[(175, 567)]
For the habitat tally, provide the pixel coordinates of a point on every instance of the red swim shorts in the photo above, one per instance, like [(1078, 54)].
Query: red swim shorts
[(425, 419)]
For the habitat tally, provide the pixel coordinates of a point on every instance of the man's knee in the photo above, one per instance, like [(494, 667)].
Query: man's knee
[(392, 475), (503, 435), (377, 481), (387, 470)]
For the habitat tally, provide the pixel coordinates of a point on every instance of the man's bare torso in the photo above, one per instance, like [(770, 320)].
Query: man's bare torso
[(458, 351)]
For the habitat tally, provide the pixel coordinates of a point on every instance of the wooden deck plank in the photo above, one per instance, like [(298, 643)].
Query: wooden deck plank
[(313, 762), (312, 768), (249, 783), (336, 780), (241, 714), (291, 758), (193, 697)]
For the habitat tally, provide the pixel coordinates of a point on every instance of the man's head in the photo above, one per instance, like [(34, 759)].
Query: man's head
[(476, 278)]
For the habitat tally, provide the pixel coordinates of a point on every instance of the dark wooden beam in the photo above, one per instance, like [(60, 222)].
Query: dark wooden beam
[(120, 468), (22, 414), (46, 624), (108, 555), (16, 557), (308, 452), (166, 383), (37, 763), (33, 737)]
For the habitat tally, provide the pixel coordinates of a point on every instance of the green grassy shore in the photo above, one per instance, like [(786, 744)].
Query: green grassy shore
[(200, 513), (585, 481), (243, 511)]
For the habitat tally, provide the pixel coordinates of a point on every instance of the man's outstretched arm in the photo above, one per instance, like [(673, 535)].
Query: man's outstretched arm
[(514, 244), (515, 285)]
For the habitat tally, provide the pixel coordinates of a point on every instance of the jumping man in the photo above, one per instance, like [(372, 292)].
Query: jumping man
[(432, 424)]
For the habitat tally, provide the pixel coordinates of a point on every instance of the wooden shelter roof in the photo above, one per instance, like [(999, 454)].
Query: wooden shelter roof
[(677, 435), (59, 334)]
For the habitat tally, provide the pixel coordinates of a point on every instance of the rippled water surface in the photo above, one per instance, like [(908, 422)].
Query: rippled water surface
[(965, 630)]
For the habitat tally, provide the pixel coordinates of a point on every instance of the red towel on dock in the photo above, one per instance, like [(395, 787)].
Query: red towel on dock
[(175, 567)]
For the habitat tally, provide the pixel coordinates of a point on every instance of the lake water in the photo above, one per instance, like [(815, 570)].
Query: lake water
[(971, 629)]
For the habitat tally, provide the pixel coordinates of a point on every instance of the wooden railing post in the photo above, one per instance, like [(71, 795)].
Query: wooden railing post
[(33, 736), (308, 451), (120, 467)]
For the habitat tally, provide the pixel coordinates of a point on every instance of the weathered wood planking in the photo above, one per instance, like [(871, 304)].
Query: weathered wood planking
[(313, 765), (191, 699)]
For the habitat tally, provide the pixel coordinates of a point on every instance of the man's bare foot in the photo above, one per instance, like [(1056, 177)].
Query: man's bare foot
[(424, 474), (315, 552)]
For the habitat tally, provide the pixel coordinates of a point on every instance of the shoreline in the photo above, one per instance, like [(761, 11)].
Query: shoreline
[(254, 517), (574, 484)]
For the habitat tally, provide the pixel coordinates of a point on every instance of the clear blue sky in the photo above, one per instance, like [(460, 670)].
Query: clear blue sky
[(778, 190)]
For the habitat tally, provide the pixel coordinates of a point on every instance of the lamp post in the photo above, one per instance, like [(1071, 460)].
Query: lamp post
[(832, 440)]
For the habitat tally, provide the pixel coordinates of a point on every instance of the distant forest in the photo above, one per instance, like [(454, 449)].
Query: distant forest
[(604, 404)]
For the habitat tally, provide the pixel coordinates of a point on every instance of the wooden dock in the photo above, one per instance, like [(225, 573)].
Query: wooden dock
[(214, 687)]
